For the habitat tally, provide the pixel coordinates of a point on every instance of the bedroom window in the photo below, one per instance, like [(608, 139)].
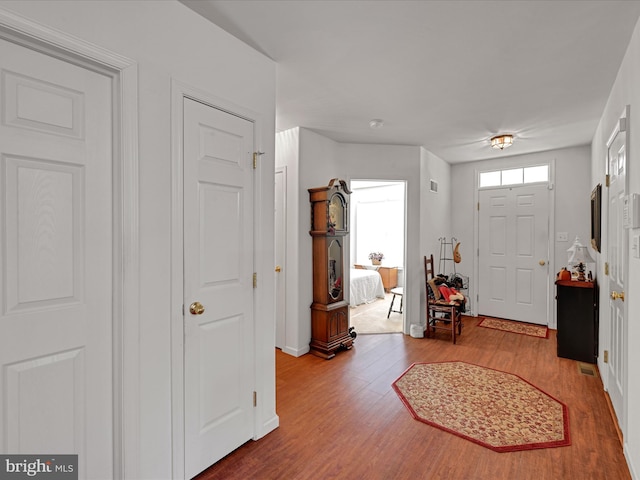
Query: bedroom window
[(514, 176)]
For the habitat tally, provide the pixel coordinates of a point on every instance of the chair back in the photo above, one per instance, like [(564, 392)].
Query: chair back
[(428, 268), (428, 275), (439, 315)]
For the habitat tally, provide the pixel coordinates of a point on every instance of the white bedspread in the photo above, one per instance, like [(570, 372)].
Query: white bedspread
[(364, 286)]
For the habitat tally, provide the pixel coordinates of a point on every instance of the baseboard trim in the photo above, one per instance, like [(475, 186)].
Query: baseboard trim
[(269, 426), (296, 352), (612, 412)]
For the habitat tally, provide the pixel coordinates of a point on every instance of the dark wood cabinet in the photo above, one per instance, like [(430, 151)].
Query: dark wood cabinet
[(329, 311), (577, 315)]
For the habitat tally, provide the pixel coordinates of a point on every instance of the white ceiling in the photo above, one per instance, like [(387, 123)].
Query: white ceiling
[(446, 75)]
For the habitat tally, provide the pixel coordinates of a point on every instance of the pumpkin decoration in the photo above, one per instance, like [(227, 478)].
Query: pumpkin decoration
[(564, 274)]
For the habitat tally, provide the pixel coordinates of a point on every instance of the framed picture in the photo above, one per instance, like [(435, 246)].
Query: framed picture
[(596, 208)]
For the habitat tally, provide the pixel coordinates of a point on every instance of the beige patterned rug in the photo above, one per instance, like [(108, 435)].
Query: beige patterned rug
[(497, 410), (532, 330)]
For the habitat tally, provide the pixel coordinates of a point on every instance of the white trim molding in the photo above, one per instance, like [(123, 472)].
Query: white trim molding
[(124, 72), (265, 418)]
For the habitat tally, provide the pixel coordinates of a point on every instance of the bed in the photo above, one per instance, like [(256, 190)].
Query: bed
[(365, 286)]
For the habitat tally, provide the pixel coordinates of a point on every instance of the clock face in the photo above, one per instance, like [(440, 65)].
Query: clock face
[(336, 212)]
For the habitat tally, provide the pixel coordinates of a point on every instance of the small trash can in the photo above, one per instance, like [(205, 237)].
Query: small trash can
[(417, 331)]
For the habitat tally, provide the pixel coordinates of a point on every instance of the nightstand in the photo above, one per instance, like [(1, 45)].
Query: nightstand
[(389, 275)]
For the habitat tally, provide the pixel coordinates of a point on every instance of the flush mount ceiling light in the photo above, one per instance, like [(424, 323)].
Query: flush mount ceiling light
[(376, 123), (502, 141)]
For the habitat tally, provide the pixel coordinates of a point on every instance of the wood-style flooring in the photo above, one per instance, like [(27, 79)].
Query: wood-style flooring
[(340, 418)]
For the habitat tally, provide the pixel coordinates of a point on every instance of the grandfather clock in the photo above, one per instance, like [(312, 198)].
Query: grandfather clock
[(329, 311)]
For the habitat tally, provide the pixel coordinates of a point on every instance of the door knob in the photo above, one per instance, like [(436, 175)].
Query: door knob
[(615, 295), (542, 263), (196, 308), (278, 269)]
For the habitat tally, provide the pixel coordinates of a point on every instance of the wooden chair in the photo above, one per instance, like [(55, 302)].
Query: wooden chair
[(440, 315)]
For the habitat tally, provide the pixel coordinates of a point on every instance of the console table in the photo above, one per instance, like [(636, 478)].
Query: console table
[(577, 314)]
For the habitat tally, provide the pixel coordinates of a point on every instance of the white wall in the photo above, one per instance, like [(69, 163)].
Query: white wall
[(437, 211), (401, 163), (571, 189), (311, 162), (318, 165), (169, 41), (288, 156), (625, 92), (319, 160)]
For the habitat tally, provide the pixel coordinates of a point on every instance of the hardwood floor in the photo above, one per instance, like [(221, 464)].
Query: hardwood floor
[(340, 418)]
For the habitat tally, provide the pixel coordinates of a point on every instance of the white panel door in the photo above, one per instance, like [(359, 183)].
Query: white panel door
[(218, 273), (281, 248), (56, 260), (514, 252), (617, 258)]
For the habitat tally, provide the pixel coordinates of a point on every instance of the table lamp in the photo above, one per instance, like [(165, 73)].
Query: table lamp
[(579, 256)]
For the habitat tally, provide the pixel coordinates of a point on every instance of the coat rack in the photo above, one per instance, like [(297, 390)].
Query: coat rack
[(446, 255)]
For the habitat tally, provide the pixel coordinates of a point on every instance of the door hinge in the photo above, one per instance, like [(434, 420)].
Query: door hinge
[(606, 356), (255, 158), (255, 280), (478, 206), (183, 309), (606, 268), (607, 179), (255, 399)]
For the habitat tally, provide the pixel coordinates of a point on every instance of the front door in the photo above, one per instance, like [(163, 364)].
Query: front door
[(218, 284), (617, 258), (56, 386), (514, 252)]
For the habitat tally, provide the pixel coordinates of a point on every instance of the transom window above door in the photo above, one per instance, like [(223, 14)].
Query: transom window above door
[(514, 176)]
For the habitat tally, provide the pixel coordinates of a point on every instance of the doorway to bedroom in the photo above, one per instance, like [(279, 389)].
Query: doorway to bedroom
[(377, 246)]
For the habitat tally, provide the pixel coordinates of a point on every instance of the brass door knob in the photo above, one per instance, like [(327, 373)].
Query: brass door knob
[(542, 263), (615, 295), (196, 308), (278, 269)]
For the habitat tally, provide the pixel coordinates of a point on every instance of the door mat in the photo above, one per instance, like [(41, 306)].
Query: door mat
[(512, 326)]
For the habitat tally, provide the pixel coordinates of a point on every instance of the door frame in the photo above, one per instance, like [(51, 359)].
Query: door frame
[(180, 91), (406, 321), (473, 289), (605, 337), (124, 73)]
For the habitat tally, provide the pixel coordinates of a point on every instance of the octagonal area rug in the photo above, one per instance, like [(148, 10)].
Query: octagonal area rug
[(497, 410)]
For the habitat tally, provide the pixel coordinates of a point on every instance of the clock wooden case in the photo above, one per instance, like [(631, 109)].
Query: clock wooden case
[(330, 329)]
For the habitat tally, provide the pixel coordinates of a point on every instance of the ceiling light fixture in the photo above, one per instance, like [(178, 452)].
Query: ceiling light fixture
[(502, 141), (376, 123)]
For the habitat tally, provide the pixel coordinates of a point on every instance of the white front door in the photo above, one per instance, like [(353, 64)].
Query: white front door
[(218, 274), (617, 258), (56, 260), (514, 252)]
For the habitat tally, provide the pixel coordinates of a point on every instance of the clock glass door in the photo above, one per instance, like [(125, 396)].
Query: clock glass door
[(335, 269)]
